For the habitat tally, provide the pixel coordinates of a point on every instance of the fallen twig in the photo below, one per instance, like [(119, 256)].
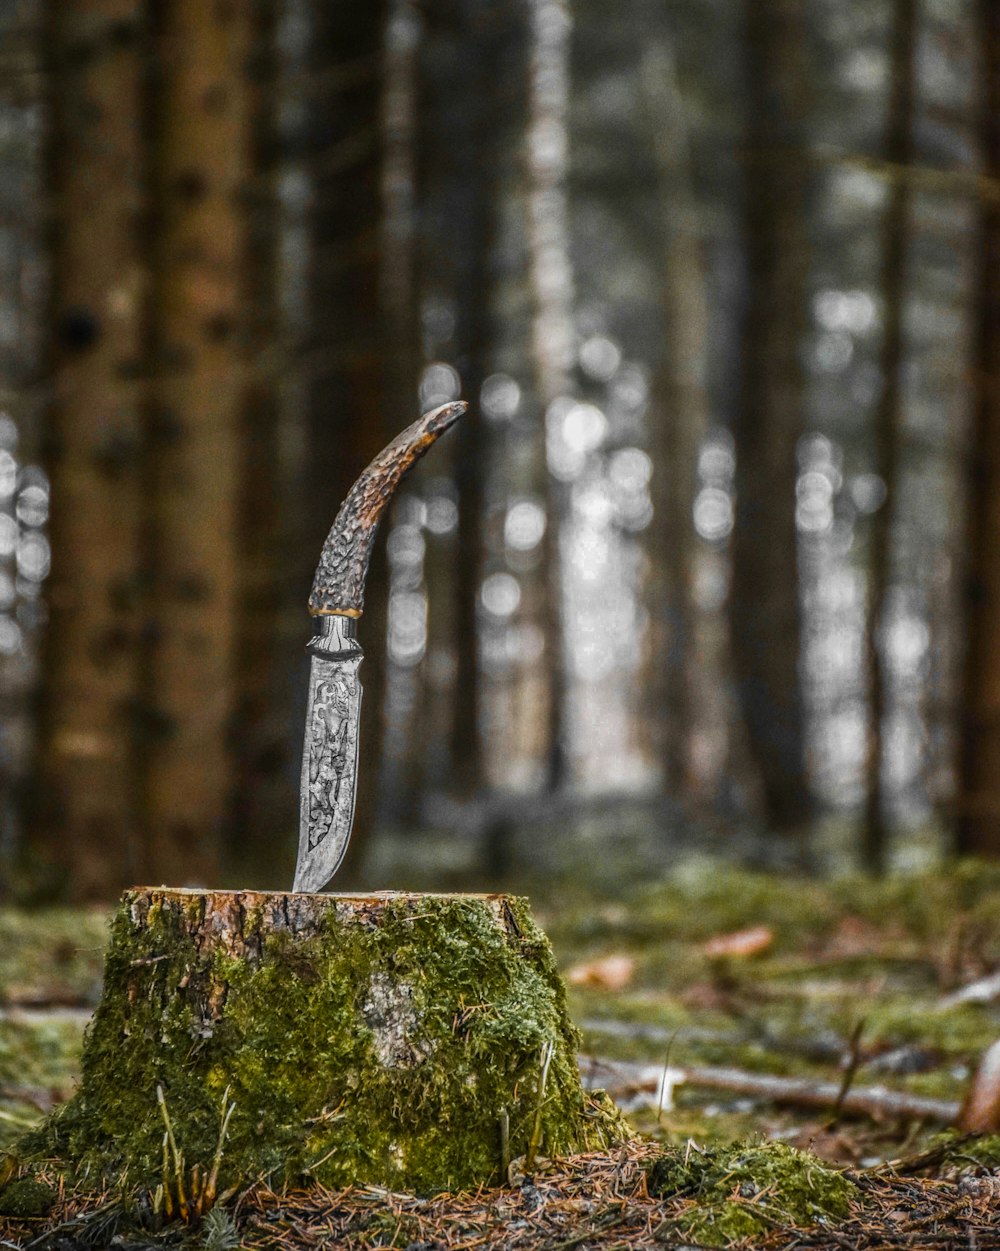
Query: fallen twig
[(618, 1077), (850, 1069), (910, 1165)]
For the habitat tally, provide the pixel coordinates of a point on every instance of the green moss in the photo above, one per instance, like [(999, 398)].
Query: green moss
[(984, 1151), (702, 898), (960, 1152), (36, 1055), (38, 1052), (843, 949), (27, 1197), (745, 1189), (384, 1051)]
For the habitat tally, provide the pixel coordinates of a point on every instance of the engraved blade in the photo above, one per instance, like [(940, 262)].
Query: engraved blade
[(330, 756)]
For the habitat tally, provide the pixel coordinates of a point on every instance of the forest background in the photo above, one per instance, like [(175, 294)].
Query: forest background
[(712, 561)]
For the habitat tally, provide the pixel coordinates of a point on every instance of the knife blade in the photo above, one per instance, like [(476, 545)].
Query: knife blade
[(330, 756)]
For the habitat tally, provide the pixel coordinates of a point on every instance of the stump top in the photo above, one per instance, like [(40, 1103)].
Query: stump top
[(362, 897), (240, 920)]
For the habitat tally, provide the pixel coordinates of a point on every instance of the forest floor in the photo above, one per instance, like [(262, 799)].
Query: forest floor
[(842, 1019)]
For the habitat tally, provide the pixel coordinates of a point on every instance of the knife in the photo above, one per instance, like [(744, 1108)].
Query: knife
[(330, 756)]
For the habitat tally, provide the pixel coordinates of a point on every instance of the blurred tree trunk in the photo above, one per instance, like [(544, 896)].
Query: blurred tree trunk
[(26, 91), (551, 280), (401, 333), (346, 420), (470, 48), (476, 199), (263, 809), (764, 598), (439, 82), (679, 426), (978, 830), (202, 165), (85, 817), (889, 420)]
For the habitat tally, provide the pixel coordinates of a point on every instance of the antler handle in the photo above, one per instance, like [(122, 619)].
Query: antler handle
[(339, 586)]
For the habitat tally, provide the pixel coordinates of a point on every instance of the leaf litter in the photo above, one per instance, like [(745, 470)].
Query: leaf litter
[(891, 978)]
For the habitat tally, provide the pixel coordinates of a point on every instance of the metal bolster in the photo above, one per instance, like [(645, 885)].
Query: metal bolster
[(337, 637)]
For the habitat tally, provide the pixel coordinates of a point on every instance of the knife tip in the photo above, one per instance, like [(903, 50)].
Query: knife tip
[(441, 418)]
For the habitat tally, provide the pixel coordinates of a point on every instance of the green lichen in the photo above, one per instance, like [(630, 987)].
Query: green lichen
[(384, 1051), (746, 1189), (27, 1197)]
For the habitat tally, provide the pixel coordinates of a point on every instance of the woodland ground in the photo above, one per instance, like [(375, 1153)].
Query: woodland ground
[(838, 983)]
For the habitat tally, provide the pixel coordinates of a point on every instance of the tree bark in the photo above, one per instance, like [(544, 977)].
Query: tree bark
[(359, 1039), (202, 152), (889, 419), (263, 797), (978, 804), (387, 798), (678, 429), (551, 282), (469, 49), (85, 819), (346, 422), (764, 599), (477, 150)]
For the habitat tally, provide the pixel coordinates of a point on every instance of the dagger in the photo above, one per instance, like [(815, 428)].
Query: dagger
[(330, 755)]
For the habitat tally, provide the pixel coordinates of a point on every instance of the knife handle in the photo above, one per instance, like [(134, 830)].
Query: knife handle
[(339, 585)]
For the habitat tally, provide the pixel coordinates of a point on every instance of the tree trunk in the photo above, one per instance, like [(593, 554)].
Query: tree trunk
[(678, 428), (346, 419), (380, 794), (416, 1042), (764, 598), (468, 49), (264, 801), (495, 30), (978, 830), (889, 419), (26, 92), (202, 151), (85, 817), (551, 281)]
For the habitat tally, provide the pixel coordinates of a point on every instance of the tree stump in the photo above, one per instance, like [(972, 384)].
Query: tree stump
[(411, 1041)]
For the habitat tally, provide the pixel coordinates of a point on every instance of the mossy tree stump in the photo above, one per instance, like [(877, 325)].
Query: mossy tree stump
[(407, 1040)]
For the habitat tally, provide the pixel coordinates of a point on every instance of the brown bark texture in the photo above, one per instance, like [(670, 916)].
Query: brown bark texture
[(553, 333), (978, 827), (400, 336), (680, 424), (343, 352), (202, 143), (764, 597), (261, 805), (889, 421), (478, 55), (413, 1041), (85, 817)]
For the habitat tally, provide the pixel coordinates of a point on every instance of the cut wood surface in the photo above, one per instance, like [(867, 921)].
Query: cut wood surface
[(408, 1040)]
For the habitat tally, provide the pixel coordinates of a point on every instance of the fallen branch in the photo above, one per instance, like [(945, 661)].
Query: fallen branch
[(622, 1080)]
